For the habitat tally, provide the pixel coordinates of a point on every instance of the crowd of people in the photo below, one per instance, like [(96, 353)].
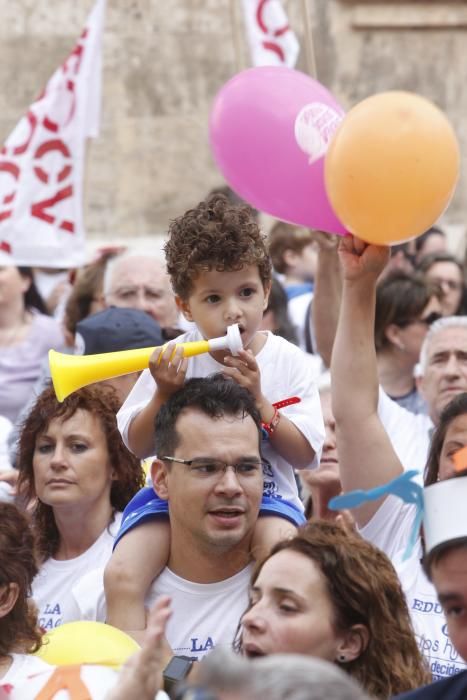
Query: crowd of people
[(189, 504)]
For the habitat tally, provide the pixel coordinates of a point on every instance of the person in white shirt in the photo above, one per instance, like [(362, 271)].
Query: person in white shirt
[(374, 441), (79, 476), (210, 472)]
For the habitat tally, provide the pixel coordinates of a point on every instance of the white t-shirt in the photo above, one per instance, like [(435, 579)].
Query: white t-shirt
[(52, 586), (390, 529), (285, 371), (410, 434), (23, 665), (204, 615)]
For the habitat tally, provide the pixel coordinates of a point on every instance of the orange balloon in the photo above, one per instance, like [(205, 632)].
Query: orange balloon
[(392, 167)]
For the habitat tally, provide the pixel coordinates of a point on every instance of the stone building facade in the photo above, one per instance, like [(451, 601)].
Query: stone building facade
[(164, 62)]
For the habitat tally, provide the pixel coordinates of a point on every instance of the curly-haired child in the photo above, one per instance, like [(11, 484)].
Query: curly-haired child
[(221, 275)]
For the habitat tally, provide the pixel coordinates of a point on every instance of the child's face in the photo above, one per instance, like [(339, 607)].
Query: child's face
[(220, 299)]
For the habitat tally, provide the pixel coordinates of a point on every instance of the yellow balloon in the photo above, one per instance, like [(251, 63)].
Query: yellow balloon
[(85, 642), (392, 167)]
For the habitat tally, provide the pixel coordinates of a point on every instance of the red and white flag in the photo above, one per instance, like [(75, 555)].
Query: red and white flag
[(42, 161), (271, 41)]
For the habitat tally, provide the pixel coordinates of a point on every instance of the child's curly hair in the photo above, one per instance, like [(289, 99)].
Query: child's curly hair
[(215, 235)]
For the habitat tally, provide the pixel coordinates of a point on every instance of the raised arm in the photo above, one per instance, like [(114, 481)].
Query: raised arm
[(366, 455)]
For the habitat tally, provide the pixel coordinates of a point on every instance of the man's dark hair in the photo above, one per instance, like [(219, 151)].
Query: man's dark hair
[(434, 557), (215, 396)]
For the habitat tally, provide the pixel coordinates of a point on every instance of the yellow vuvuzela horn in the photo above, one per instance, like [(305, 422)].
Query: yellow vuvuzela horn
[(71, 372)]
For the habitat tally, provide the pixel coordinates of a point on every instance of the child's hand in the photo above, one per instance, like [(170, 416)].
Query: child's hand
[(244, 369), (168, 369), (359, 259)]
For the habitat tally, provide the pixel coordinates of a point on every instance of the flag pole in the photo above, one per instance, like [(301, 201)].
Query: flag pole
[(309, 45), (236, 35)]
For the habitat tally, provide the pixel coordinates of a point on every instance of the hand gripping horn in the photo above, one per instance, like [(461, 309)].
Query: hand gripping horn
[(71, 372)]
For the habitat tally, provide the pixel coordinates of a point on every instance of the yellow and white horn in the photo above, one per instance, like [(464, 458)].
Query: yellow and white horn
[(71, 372)]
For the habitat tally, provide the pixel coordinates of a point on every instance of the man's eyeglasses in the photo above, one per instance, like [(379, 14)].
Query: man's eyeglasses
[(205, 467)]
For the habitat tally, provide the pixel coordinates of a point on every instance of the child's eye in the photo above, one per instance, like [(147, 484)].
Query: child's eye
[(247, 292), (213, 299)]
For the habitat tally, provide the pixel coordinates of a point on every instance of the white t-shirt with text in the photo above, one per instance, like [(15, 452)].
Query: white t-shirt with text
[(390, 529), (51, 589), (204, 615)]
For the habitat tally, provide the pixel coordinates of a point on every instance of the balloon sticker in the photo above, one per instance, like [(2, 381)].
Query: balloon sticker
[(314, 127)]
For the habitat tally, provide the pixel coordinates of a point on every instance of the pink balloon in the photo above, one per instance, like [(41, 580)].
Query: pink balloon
[(269, 130)]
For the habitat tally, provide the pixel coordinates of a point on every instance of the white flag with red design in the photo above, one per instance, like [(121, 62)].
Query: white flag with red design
[(271, 41), (42, 161)]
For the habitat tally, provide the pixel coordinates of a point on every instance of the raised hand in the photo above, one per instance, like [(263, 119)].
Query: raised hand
[(359, 259)]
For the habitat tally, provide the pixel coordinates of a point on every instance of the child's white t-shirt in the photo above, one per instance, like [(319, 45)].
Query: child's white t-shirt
[(285, 371)]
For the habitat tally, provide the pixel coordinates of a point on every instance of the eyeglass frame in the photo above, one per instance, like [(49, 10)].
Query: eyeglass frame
[(261, 463)]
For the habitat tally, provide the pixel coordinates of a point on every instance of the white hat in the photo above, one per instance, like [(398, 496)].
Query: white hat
[(445, 512)]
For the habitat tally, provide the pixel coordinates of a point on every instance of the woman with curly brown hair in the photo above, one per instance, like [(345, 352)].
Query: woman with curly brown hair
[(330, 594), (19, 633), (80, 476)]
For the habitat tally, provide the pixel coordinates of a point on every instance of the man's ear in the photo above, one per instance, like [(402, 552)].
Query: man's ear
[(184, 308), (353, 643), (8, 596), (159, 476)]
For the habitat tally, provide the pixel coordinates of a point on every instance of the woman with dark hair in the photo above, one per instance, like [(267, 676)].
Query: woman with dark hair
[(80, 476), (20, 635), (26, 336), (406, 305), (330, 594)]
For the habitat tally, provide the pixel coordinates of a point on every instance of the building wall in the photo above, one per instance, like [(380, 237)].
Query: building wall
[(164, 62)]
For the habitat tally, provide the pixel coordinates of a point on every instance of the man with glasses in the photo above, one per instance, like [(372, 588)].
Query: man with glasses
[(210, 472)]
